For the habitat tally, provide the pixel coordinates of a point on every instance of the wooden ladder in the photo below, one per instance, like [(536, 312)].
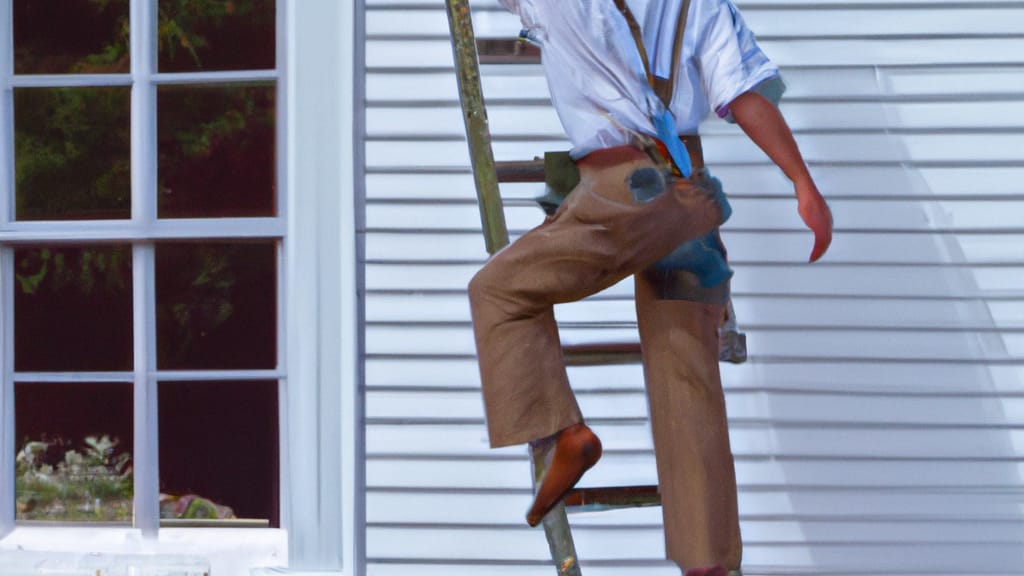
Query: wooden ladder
[(487, 174)]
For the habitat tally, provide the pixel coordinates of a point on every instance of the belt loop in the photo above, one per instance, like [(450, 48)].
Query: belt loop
[(695, 149)]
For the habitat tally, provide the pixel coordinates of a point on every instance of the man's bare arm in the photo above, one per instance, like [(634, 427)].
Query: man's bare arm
[(764, 124)]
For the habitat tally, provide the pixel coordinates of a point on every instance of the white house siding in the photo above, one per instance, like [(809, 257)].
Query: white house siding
[(879, 424)]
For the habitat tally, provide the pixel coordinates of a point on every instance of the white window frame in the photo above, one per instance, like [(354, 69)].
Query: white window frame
[(325, 514), (319, 70)]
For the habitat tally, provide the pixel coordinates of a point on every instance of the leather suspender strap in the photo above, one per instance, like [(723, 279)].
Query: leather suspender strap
[(662, 87), (677, 54), (638, 38)]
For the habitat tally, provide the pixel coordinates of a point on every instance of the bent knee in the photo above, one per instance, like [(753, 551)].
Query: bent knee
[(482, 284)]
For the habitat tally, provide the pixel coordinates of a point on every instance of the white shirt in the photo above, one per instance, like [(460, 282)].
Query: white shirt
[(596, 77)]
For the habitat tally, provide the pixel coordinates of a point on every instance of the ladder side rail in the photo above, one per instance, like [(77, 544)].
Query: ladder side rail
[(556, 524), (478, 134)]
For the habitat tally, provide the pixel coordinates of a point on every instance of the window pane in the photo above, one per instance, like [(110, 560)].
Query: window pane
[(73, 308), (70, 36), (216, 305), (216, 151), (72, 155), (219, 450), (216, 35), (74, 448)]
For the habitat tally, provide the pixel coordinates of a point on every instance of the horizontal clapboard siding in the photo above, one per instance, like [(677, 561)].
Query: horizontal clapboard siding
[(879, 424)]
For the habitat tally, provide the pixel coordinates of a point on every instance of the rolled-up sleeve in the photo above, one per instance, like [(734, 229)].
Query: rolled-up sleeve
[(527, 11), (730, 59)]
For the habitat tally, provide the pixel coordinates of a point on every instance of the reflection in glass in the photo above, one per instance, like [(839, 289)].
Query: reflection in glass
[(70, 36), (216, 151), (216, 35), (218, 450), (216, 305), (74, 452), (72, 153), (73, 308)]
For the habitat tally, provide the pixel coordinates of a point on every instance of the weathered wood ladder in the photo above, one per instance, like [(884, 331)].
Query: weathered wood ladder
[(487, 174)]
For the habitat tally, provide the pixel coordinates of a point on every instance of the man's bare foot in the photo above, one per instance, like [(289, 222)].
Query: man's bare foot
[(576, 451)]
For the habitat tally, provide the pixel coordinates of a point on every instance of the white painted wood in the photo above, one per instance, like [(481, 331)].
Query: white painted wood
[(767, 22), (8, 442), (754, 213), (146, 436), (480, 6), (324, 505), (838, 375), (877, 425), (416, 183), (523, 545), (80, 231), (7, 439), (85, 551), (393, 474), (178, 79), (763, 312), (933, 150), (746, 247), (843, 52), (518, 120), (525, 84), (783, 408)]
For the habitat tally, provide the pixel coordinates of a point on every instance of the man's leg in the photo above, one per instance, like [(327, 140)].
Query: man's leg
[(600, 236), (696, 475)]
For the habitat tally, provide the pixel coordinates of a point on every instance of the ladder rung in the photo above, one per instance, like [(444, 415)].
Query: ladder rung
[(732, 347), (520, 171), (507, 51), (594, 354), (594, 499)]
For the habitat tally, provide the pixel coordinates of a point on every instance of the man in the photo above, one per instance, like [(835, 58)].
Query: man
[(627, 88)]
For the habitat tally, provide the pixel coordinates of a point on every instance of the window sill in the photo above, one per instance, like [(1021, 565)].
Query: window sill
[(74, 550)]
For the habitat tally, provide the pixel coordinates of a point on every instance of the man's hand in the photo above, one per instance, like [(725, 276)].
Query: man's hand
[(816, 215)]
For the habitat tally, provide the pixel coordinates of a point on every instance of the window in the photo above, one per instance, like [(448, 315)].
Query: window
[(141, 258)]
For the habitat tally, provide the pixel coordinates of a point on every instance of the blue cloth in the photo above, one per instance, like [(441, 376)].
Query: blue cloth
[(705, 256), (665, 124)]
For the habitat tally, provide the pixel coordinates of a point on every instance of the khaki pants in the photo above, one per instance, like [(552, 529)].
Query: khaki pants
[(599, 236)]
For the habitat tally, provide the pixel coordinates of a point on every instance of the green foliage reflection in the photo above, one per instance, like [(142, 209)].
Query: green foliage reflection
[(216, 305), (72, 153), (209, 34), (55, 482), (92, 269), (70, 36), (89, 484), (73, 307)]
